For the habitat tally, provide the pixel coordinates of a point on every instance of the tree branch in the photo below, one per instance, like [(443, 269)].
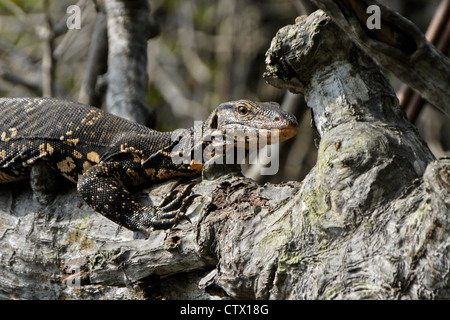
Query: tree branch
[(438, 33), (97, 63), (130, 25), (398, 46), (48, 61)]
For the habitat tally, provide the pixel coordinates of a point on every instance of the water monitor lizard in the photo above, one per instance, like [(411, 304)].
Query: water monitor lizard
[(110, 158)]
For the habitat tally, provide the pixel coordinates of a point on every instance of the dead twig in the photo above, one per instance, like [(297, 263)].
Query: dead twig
[(438, 33)]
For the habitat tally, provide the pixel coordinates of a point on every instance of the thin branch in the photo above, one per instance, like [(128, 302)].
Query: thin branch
[(96, 64), (398, 46), (48, 60), (438, 33)]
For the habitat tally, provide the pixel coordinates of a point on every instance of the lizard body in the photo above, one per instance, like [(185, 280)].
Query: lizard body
[(110, 157)]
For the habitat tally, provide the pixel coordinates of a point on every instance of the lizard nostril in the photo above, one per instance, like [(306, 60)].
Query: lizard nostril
[(277, 119)]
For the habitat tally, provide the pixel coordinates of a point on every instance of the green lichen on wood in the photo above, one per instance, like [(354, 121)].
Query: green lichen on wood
[(291, 260)]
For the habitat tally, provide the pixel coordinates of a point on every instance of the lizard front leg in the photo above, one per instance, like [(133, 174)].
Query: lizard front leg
[(104, 188), (44, 181)]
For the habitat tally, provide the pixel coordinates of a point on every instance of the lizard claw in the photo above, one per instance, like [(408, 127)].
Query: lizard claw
[(183, 216), (170, 202), (185, 204), (168, 198), (172, 209)]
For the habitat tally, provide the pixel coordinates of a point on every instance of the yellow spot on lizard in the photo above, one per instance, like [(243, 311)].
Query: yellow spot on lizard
[(13, 132), (77, 154), (71, 142), (66, 165), (93, 156), (45, 150), (86, 166)]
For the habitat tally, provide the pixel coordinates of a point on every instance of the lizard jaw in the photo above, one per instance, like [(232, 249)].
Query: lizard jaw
[(287, 133), (282, 134), (260, 135)]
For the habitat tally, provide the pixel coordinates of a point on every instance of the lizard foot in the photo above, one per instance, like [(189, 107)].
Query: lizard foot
[(174, 198), (172, 208), (44, 182)]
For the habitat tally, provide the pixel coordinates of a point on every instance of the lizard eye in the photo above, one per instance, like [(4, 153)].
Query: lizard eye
[(242, 110)]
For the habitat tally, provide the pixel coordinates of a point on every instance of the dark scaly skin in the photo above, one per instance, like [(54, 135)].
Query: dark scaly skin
[(109, 157)]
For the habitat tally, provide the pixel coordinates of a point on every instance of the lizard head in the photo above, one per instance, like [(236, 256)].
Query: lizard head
[(253, 119)]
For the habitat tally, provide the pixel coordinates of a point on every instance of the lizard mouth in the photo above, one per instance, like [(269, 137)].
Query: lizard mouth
[(287, 133), (282, 133), (260, 134)]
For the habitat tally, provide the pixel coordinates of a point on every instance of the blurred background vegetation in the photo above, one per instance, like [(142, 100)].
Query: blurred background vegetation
[(208, 52)]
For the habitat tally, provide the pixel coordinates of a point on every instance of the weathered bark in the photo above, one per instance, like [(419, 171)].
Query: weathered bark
[(129, 25), (372, 231), (369, 221), (398, 46)]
